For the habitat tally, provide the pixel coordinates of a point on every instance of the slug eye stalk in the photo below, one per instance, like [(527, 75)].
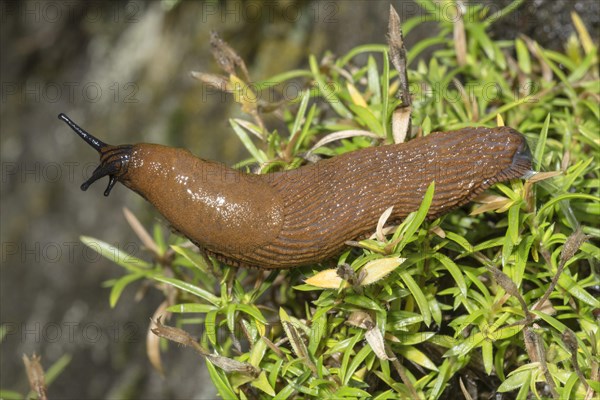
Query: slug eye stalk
[(113, 159)]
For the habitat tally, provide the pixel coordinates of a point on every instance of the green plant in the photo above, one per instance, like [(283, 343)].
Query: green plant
[(504, 301)]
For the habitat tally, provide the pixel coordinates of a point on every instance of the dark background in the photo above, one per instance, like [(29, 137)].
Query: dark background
[(121, 70)]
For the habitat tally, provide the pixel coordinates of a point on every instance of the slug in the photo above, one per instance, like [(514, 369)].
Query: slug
[(306, 215)]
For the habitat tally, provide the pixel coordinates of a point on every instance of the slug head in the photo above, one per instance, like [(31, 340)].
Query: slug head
[(114, 160)]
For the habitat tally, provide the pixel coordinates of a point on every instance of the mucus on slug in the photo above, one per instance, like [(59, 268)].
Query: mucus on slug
[(305, 216)]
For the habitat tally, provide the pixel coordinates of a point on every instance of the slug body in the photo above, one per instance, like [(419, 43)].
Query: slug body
[(305, 216)]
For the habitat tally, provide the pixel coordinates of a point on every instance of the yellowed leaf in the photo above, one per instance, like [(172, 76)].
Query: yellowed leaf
[(380, 268), (499, 120), (488, 197), (584, 35), (355, 95), (493, 206), (541, 176), (243, 94), (327, 279)]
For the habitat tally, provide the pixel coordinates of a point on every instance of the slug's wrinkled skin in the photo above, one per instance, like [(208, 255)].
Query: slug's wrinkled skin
[(305, 216)]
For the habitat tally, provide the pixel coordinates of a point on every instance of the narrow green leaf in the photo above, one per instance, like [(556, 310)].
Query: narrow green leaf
[(116, 255), (300, 115), (262, 383), (419, 217), (506, 107), (356, 362), (317, 331), (305, 128), (120, 285), (363, 302), (441, 380), (247, 142), (460, 240), (57, 368), (466, 345), (569, 385), (210, 326), (522, 255), (280, 78), (253, 311), (575, 172), (257, 353), (347, 392), (344, 373), (188, 287), (219, 379), (10, 395), (567, 196), (566, 282), (286, 392), (159, 238), (191, 308), (487, 352), (417, 356), (368, 118), (365, 48), (196, 259), (418, 295), (543, 53), (328, 90), (513, 223), (373, 81), (523, 57), (540, 148), (423, 45), (454, 271), (230, 314), (515, 381)]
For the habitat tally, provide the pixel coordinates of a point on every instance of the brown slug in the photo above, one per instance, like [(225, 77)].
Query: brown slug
[(305, 216)]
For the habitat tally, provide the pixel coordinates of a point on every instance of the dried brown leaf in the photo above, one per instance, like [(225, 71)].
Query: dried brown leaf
[(332, 137), (215, 81), (141, 232), (541, 176), (380, 224), (460, 37), (178, 336), (360, 319), (153, 340), (401, 123), (494, 206), (226, 56), (375, 339), (230, 365), (35, 375)]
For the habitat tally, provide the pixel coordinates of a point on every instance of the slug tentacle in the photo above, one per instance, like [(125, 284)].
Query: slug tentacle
[(113, 159), (89, 138)]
